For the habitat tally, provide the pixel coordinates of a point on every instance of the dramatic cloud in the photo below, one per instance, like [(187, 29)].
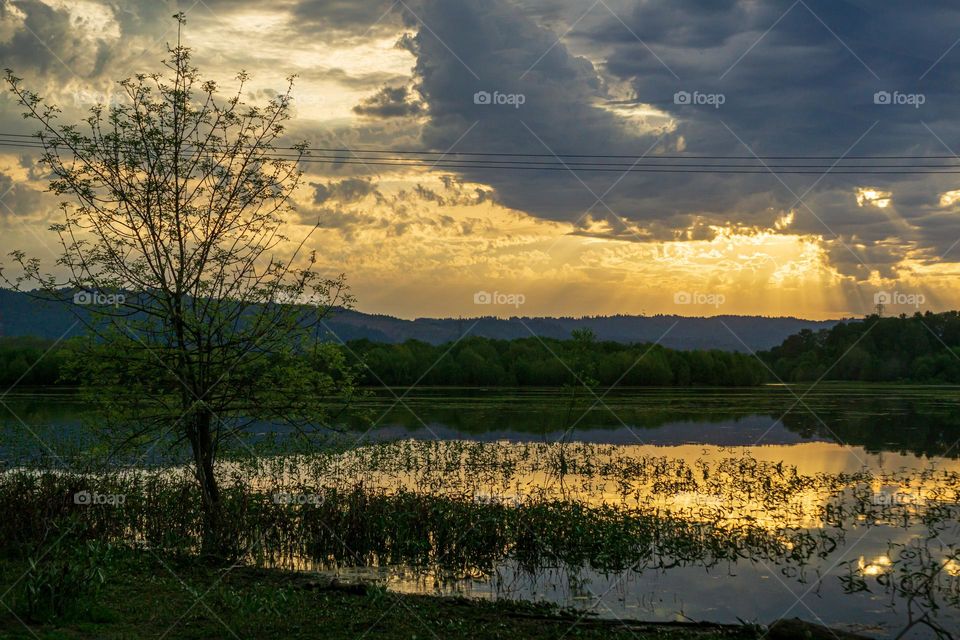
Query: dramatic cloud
[(389, 102), (345, 19), (471, 50), (778, 79), (804, 87), (17, 199), (345, 191)]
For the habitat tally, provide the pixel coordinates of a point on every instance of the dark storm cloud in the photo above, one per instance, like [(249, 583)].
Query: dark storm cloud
[(390, 102), (471, 48), (347, 191), (803, 87), (344, 19), (18, 199), (797, 79), (494, 48), (75, 60), (45, 40)]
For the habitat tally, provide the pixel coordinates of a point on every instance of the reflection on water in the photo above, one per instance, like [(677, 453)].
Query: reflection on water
[(841, 507), (914, 419), (818, 530), (880, 418)]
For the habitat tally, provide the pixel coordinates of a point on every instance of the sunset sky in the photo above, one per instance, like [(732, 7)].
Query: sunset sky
[(794, 79)]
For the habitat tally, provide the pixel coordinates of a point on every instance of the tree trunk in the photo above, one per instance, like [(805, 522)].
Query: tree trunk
[(215, 543)]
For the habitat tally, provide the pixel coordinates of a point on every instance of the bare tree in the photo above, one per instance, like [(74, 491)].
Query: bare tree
[(202, 315)]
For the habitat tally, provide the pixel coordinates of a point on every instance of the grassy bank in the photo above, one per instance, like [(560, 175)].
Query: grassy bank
[(143, 596)]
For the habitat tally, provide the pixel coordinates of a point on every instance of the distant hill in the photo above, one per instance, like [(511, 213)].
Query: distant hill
[(21, 315), (689, 333)]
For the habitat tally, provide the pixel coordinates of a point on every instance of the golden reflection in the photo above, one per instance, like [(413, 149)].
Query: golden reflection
[(951, 567), (776, 488), (879, 565)]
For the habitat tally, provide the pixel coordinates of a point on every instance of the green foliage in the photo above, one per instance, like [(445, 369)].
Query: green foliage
[(546, 362), (64, 579), (918, 348), (323, 368), (199, 313), (28, 361)]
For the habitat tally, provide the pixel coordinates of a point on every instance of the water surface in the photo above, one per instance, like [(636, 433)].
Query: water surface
[(868, 473)]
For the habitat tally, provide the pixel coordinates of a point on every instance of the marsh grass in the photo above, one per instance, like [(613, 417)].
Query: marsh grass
[(357, 526), (464, 510), (413, 502)]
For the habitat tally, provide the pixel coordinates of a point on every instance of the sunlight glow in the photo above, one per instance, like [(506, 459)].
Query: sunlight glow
[(947, 198), (880, 564), (873, 196)]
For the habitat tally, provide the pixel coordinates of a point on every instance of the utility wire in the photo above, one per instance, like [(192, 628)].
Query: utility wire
[(459, 160), (36, 141)]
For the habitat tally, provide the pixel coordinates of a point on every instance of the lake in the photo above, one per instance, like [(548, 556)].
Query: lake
[(841, 500)]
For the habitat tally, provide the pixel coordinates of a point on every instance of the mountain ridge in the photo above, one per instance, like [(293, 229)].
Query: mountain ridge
[(22, 315)]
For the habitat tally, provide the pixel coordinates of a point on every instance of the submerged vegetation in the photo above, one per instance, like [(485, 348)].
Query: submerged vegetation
[(455, 511)]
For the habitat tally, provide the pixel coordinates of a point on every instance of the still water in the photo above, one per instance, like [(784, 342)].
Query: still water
[(844, 499)]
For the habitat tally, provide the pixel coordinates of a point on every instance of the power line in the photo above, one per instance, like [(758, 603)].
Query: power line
[(531, 164), (587, 155), (344, 156), (642, 164)]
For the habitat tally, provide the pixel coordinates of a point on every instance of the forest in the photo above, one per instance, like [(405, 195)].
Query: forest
[(923, 348), (919, 348), (546, 362), (472, 361)]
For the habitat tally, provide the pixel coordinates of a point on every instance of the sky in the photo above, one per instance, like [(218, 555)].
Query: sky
[(641, 78)]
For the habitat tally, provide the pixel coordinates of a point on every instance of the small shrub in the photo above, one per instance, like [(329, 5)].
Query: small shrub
[(65, 579)]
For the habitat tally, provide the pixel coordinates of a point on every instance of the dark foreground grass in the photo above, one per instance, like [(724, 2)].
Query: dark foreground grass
[(143, 596)]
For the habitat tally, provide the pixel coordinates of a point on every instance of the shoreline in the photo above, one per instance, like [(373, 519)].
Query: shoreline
[(147, 596)]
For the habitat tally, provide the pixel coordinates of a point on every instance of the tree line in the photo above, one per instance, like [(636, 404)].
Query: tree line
[(549, 362), (919, 348), (29, 361), (472, 361)]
